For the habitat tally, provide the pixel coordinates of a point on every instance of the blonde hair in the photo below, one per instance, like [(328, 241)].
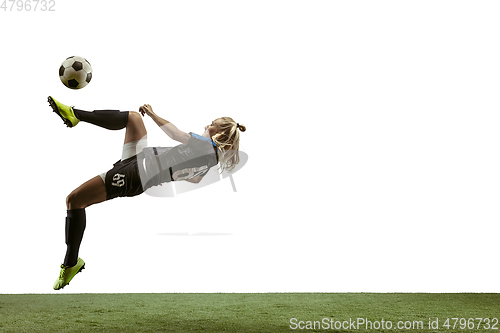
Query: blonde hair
[(228, 143)]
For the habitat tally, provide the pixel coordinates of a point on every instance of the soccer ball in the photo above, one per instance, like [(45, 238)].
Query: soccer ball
[(75, 72)]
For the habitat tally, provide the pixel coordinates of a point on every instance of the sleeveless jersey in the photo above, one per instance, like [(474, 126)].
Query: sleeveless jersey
[(164, 164)]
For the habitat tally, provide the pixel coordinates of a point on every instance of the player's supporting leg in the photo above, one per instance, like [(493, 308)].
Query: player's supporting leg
[(89, 193)]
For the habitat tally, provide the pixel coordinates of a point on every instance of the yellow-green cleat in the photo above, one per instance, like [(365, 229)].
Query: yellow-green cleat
[(68, 273), (65, 112)]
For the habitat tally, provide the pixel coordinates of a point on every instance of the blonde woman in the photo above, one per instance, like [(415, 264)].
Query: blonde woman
[(141, 167)]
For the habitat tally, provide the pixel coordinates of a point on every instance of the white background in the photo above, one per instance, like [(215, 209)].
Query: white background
[(372, 136)]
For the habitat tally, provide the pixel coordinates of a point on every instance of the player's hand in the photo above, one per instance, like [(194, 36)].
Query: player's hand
[(146, 109)]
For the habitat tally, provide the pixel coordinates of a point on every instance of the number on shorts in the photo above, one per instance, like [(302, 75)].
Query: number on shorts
[(119, 180)]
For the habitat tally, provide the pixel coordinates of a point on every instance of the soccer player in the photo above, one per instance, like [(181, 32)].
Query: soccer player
[(141, 167)]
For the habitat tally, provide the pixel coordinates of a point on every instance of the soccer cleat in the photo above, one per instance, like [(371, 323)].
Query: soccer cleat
[(68, 273), (65, 112)]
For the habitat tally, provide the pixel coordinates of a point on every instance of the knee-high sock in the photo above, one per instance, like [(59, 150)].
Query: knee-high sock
[(75, 226), (109, 119)]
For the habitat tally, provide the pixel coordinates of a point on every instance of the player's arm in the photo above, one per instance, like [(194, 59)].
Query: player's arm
[(170, 129)]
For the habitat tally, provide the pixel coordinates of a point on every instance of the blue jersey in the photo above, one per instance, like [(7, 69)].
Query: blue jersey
[(164, 164)]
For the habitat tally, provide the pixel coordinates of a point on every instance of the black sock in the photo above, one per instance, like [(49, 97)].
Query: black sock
[(109, 119), (75, 226)]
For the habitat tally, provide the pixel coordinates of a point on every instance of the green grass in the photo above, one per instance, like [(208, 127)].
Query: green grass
[(235, 312)]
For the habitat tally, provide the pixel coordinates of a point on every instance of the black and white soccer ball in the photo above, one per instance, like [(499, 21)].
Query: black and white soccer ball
[(75, 72)]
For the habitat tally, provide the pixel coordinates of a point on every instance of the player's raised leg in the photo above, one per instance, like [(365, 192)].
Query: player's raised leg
[(109, 119), (65, 112), (135, 128)]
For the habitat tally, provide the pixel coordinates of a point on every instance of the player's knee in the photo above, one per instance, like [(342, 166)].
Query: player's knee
[(73, 200), (134, 117)]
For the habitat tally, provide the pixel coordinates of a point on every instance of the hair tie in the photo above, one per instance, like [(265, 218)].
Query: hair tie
[(237, 125)]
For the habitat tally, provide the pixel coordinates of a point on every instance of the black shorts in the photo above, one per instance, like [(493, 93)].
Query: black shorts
[(123, 180)]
